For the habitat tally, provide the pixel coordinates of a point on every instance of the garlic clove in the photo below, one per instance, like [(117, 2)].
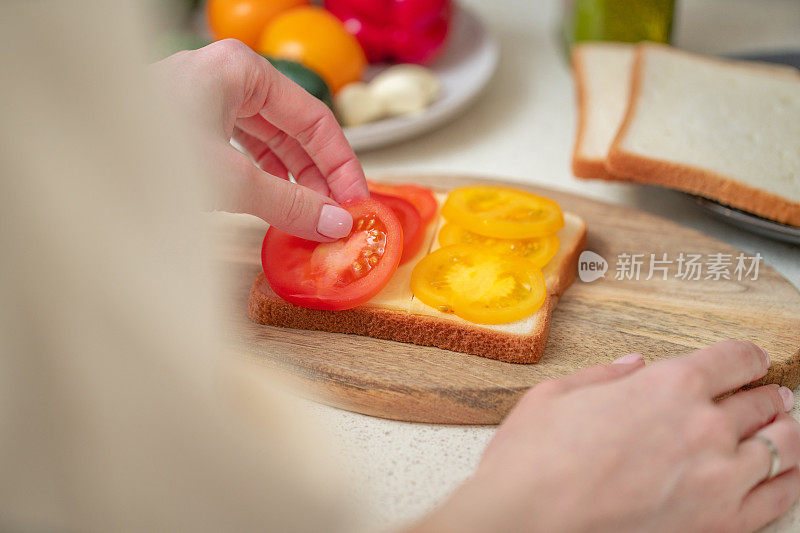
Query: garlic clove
[(405, 89), (355, 104)]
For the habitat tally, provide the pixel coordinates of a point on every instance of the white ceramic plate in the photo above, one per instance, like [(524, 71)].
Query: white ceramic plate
[(750, 222), (464, 69)]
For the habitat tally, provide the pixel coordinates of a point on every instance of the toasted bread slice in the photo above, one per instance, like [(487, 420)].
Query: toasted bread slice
[(726, 130), (602, 73), (395, 314)]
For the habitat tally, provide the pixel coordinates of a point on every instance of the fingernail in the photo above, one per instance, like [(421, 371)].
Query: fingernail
[(766, 355), (788, 398), (627, 359), (334, 222)]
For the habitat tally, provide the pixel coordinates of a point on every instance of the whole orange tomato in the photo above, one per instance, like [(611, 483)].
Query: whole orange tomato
[(245, 19), (314, 37)]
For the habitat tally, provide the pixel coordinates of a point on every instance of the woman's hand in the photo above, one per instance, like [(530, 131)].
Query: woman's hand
[(629, 448), (232, 92)]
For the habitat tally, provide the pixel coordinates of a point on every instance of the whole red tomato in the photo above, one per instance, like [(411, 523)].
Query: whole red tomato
[(404, 31)]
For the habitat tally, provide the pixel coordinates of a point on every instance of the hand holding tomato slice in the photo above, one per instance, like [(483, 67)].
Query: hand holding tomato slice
[(478, 285), (337, 275), (503, 212), (289, 132)]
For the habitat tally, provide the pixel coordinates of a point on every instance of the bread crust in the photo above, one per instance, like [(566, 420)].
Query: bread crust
[(264, 307), (718, 187), (584, 167)]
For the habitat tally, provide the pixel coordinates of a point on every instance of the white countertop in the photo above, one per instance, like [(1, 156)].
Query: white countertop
[(522, 129)]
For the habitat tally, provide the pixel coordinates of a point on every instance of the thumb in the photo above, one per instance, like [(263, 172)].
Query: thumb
[(599, 374), (290, 207)]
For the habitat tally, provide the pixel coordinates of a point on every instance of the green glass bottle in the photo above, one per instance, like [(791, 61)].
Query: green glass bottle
[(618, 20)]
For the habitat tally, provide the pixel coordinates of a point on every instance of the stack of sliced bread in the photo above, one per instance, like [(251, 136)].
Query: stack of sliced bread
[(726, 130)]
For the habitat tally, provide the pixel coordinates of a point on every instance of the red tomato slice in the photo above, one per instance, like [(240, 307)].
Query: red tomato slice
[(420, 197), (413, 228), (336, 275)]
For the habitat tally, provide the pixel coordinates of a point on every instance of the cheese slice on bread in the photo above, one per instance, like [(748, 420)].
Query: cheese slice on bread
[(395, 313), (602, 80)]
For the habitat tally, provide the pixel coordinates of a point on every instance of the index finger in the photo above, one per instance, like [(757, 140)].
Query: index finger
[(724, 366), (305, 118)]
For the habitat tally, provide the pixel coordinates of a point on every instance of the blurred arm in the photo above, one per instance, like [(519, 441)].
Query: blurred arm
[(111, 415)]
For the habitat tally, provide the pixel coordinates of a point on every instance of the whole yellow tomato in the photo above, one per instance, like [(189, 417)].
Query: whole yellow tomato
[(314, 37), (245, 19)]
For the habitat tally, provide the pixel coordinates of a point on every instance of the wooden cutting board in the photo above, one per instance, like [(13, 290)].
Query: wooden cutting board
[(593, 323)]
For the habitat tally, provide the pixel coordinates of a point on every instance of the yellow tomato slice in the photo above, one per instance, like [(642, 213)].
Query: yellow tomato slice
[(503, 212), (478, 285), (538, 251)]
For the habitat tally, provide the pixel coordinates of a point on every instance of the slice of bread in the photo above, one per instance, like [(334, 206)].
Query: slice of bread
[(395, 313), (726, 130), (602, 73)]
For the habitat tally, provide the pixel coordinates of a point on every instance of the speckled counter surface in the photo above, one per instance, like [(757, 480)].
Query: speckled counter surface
[(522, 129)]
